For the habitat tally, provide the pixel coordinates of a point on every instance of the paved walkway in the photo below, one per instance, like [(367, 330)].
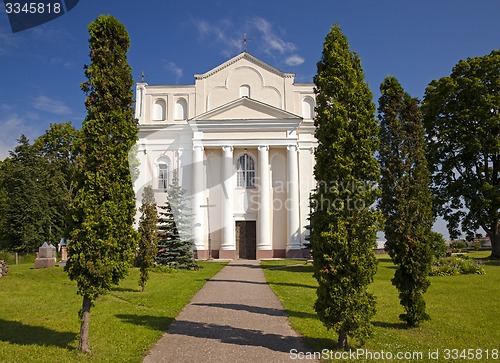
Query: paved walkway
[(234, 318)]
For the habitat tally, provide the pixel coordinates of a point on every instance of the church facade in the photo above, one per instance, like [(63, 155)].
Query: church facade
[(241, 140)]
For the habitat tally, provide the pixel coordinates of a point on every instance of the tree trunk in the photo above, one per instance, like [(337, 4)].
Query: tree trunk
[(84, 328), (342, 342), (495, 246)]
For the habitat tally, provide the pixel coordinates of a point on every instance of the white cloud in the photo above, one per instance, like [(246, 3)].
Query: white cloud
[(294, 60), (222, 32), (49, 33), (270, 40), (202, 26), (174, 69), (15, 45), (13, 126), (55, 61), (261, 33), (47, 104)]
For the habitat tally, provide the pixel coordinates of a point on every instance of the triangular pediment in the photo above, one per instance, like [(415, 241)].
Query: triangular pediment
[(250, 58), (245, 108)]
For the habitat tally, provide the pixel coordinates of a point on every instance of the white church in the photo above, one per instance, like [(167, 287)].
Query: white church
[(242, 141)]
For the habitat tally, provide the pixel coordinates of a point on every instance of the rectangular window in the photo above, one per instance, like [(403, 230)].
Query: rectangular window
[(245, 172), (163, 177)]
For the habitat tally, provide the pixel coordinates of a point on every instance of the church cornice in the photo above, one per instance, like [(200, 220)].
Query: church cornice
[(245, 125), (248, 57), (271, 111)]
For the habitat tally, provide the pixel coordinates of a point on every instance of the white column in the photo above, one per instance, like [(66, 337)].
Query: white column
[(228, 240), (264, 217), (198, 178), (293, 242), (142, 179)]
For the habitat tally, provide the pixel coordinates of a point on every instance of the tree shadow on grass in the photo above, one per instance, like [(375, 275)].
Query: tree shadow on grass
[(397, 326), (293, 284), (124, 289), (385, 260), (152, 322), (18, 333), (302, 267), (490, 262)]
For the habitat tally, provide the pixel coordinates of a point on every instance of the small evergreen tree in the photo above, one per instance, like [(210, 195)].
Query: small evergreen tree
[(406, 197), (148, 235), (175, 245), (180, 209), (344, 222)]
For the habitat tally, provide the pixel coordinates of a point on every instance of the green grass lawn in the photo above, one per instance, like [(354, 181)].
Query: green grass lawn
[(39, 322), (464, 311)]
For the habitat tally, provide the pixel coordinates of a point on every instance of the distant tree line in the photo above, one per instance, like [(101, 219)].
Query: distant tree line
[(36, 187)]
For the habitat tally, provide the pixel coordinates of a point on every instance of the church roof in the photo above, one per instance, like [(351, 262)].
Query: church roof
[(250, 58)]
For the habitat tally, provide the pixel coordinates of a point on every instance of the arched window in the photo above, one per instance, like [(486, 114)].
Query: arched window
[(159, 110), (181, 109), (163, 173), (308, 108), (245, 172), (245, 91)]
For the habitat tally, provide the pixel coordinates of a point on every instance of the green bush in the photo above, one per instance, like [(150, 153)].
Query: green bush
[(456, 265), (476, 246), (459, 245)]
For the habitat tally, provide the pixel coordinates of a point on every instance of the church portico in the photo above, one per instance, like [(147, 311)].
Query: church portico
[(244, 193), (247, 163)]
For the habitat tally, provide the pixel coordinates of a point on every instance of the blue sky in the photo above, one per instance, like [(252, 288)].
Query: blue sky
[(417, 41)]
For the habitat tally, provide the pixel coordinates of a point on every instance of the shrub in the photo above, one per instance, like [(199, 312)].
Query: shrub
[(476, 246), (459, 245), (457, 265)]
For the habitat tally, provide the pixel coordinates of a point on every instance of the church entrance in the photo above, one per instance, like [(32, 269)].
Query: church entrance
[(246, 241)]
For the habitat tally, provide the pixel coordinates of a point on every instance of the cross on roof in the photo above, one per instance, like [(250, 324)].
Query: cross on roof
[(245, 40)]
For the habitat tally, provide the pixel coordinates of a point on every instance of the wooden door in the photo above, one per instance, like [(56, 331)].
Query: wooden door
[(246, 239)]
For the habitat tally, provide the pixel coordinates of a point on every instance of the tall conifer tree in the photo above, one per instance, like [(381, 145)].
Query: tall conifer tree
[(406, 197), (344, 222), (103, 239)]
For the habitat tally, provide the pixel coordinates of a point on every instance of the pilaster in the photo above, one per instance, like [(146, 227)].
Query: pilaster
[(198, 186), (228, 240), (293, 243), (264, 243)]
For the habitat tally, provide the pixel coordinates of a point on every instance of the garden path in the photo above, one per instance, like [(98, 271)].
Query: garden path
[(235, 318)]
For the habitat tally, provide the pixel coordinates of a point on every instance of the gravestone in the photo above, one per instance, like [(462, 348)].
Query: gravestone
[(45, 257), (63, 249), (4, 268)]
